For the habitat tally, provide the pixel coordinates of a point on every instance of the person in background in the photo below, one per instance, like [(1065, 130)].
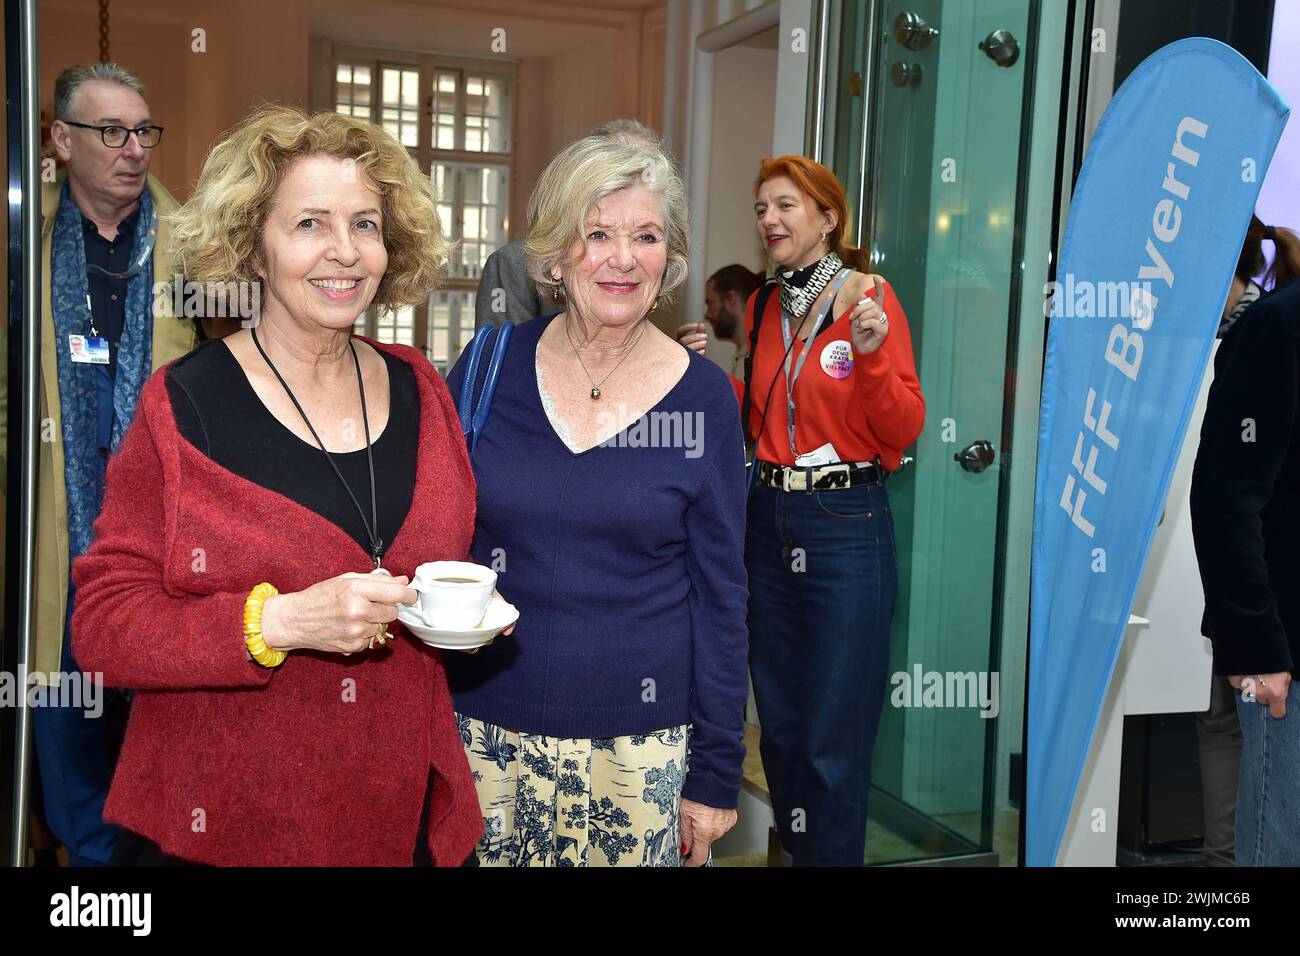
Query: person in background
[(506, 293), (725, 294), (1245, 506), (1217, 729), (624, 552), (1244, 290), (833, 401), (104, 243)]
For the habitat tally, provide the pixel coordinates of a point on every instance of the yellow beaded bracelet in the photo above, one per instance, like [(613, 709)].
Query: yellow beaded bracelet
[(257, 647)]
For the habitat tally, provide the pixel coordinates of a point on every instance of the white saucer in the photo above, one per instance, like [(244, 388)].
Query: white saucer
[(500, 614)]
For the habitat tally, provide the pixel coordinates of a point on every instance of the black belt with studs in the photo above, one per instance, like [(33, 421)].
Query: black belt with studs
[(842, 474)]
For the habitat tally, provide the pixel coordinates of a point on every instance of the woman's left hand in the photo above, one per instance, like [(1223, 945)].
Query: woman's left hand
[(868, 324), (702, 825), (511, 629), (506, 633)]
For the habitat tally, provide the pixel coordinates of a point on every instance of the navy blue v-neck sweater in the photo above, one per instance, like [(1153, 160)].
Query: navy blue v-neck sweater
[(626, 562)]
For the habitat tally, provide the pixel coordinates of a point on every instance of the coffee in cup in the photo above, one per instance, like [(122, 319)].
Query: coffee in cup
[(454, 594)]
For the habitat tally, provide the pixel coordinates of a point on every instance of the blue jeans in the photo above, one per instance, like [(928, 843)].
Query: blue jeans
[(1268, 787), (822, 582)]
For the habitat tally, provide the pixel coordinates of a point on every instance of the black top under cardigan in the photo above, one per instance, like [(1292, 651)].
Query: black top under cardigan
[(219, 413)]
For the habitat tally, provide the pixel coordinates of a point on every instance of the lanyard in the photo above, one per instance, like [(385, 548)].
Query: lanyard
[(788, 339), (142, 257)]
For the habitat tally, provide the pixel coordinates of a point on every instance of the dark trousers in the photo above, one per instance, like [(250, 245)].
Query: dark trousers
[(822, 583), (76, 752), (77, 748)]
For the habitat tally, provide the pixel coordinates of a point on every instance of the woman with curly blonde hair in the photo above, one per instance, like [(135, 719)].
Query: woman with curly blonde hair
[(266, 475)]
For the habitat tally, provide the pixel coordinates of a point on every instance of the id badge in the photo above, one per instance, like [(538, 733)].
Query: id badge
[(825, 455), (88, 349)]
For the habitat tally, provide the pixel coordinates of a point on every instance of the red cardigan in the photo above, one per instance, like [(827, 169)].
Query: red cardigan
[(864, 405), (322, 761)]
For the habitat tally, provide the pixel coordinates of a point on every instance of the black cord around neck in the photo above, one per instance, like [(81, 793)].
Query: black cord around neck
[(372, 526)]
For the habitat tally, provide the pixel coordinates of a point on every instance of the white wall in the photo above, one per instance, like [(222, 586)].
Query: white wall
[(689, 119), (792, 77), (744, 92)]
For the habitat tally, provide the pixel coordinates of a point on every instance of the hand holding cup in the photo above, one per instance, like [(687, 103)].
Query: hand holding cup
[(339, 615)]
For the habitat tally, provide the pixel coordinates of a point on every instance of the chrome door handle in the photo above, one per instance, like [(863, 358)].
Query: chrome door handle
[(1001, 47), (905, 74), (913, 32), (976, 456)]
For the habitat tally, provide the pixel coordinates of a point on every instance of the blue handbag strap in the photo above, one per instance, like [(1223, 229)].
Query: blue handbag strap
[(465, 405), (473, 416)]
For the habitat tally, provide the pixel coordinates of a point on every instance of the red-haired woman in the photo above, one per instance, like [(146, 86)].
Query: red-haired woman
[(833, 399)]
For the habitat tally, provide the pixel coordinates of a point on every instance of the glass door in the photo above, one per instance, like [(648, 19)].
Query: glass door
[(936, 182)]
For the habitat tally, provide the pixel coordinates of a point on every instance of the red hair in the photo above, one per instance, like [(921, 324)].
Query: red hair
[(820, 185)]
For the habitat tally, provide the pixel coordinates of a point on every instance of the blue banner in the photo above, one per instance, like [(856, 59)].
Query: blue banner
[(1156, 225)]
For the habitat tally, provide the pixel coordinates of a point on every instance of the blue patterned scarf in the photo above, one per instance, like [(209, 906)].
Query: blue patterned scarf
[(78, 395)]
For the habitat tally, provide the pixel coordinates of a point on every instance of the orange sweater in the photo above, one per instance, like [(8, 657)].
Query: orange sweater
[(864, 405)]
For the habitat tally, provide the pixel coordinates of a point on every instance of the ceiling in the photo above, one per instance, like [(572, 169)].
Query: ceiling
[(534, 28)]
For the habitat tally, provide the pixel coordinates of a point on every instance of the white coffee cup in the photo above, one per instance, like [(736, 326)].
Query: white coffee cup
[(454, 594)]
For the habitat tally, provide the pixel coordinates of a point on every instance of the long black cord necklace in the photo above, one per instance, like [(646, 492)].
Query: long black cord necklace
[(371, 526)]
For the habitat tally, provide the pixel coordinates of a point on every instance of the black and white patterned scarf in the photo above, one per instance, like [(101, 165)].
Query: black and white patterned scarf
[(800, 288)]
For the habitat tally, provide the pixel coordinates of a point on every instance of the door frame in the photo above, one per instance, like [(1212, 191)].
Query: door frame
[(23, 336)]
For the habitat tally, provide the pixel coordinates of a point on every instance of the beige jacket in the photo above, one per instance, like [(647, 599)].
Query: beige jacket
[(172, 338)]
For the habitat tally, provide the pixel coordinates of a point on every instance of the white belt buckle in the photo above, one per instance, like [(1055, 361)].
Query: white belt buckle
[(785, 478)]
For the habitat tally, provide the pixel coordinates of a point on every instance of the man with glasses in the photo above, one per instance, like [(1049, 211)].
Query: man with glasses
[(104, 242)]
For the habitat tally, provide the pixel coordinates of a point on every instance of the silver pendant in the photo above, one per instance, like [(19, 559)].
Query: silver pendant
[(595, 391)]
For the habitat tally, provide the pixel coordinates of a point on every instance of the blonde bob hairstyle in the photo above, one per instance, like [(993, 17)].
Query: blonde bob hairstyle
[(217, 235), (576, 180)]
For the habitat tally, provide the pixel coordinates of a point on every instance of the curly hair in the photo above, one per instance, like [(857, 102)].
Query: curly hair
[(217, 235), (577, 179)]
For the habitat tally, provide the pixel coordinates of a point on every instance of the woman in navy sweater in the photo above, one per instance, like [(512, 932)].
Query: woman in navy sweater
[(611, 503)]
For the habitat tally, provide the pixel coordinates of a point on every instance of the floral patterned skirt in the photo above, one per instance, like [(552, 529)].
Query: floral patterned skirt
[(551, 801)]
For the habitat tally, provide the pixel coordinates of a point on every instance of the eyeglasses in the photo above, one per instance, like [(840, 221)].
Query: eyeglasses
[(115, 137)]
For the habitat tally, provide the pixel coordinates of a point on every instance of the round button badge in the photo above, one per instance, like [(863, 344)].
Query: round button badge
[(837, 359)]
